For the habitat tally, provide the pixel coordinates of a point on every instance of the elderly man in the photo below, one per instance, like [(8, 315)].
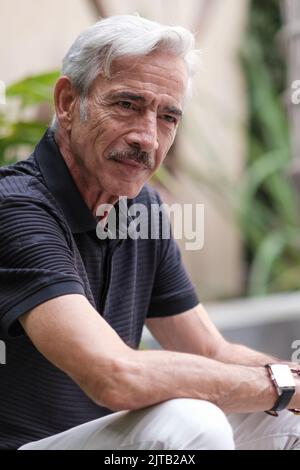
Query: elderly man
[(73, 304)]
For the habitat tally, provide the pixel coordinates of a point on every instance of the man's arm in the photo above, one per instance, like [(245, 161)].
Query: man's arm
[(73, 336), (193, 332)]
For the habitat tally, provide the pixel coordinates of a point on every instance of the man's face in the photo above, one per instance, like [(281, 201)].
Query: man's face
[(132, 122)]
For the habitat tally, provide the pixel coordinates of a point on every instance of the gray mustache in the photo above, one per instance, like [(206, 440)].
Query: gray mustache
[(135, 154)]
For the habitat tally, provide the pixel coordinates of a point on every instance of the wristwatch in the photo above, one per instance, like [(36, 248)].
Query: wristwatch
[(284, 383)]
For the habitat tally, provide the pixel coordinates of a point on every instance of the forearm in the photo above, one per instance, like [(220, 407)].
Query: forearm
[(144, 378), (231, 353)]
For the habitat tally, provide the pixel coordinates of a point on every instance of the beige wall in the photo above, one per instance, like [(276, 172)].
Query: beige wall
[(35, 34)]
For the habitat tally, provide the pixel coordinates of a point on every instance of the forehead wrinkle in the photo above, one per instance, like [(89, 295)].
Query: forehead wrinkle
[(144, 97), (146, 75), (151, 69), (145, 89), (161, 67), (148, 63)]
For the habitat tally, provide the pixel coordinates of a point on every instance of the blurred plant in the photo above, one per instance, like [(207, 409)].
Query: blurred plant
[(269, 213), (264, 202), (24, 120)]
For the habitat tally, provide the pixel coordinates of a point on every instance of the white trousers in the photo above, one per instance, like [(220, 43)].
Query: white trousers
[(179, 424)]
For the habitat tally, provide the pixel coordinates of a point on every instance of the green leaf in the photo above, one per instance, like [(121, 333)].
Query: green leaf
[(261, 270), (35, 89)]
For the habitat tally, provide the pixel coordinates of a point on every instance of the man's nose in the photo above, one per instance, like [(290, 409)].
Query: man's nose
[(144, 134)]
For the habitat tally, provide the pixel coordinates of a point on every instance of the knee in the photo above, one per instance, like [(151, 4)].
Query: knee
[(288, 426), (192, 424)]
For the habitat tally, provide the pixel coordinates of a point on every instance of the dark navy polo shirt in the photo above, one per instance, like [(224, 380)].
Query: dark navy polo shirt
[(49, 248)]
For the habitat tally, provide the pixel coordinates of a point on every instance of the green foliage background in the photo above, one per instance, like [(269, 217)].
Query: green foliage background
[(16, 128), (269, 216)]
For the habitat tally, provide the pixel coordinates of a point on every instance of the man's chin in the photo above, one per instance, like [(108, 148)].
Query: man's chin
[(129, 191), (131, 194)]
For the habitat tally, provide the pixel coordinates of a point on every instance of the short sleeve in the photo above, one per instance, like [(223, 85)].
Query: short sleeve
[(173, 291), (36, 260)]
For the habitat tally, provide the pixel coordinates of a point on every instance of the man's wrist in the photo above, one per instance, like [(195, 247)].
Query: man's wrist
[(270, 391), (294, 405), (285, 379)]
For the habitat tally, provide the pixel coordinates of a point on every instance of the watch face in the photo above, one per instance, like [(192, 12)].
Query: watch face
[(282, 375)]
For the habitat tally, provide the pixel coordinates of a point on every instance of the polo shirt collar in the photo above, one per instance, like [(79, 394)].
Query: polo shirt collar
[(62, 186)]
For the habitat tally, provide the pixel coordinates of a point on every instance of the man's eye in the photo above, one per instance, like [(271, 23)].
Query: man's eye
[(170, 119), (125, 104)]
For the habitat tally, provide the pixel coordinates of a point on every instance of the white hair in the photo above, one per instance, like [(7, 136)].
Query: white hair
[(99, 45)]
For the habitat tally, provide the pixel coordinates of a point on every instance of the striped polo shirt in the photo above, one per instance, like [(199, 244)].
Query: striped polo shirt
[(49, 247)]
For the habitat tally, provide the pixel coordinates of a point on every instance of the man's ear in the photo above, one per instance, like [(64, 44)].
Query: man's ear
[(65, 98)]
